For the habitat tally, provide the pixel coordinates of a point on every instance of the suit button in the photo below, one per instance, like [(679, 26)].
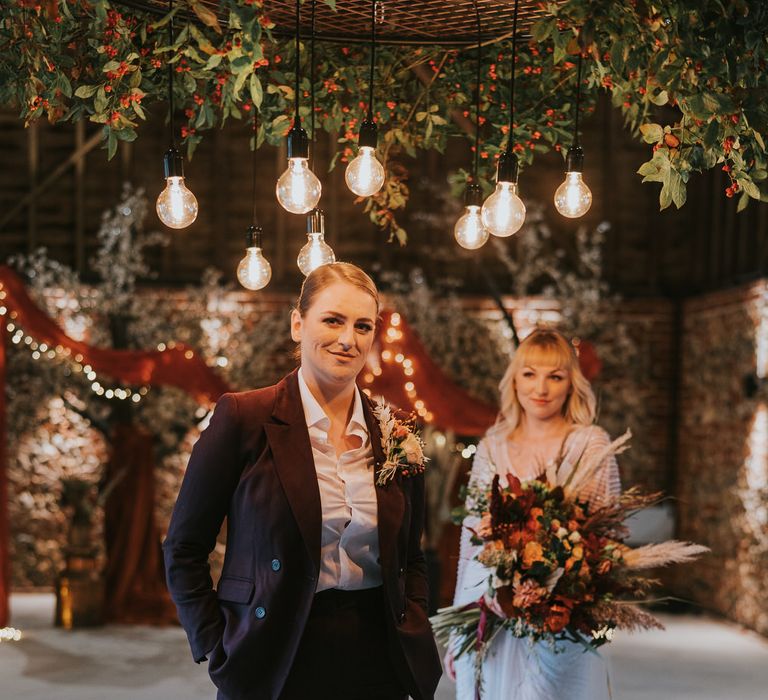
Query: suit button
[(260, 612), (402, 571), (402, 617), (276, 565)]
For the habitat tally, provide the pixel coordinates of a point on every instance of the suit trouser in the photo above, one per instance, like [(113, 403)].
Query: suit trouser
[(344, 652)]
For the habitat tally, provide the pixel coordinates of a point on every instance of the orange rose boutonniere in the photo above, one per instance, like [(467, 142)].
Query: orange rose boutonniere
[(403, 447)]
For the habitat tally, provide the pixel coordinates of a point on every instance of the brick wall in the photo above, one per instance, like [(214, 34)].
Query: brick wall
[(723, 454)]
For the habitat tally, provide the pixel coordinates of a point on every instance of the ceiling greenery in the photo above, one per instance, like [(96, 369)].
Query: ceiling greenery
[(689, 76)]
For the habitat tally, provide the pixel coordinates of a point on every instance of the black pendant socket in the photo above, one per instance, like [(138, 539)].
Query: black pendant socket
[(473, 195), (574, 160), (508, 167), (173, 163), (253, 237), (369, 134), (316, 221), (298, 142)]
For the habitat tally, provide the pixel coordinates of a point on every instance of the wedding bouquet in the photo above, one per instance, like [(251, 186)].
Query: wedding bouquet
[(558, 568)]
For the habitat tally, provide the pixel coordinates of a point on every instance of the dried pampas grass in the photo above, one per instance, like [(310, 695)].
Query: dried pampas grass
[(650, 556)]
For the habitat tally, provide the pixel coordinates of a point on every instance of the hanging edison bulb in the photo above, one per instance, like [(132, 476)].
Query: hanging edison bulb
[(503, 213), (298, 189), (365, 174), (469, 231), (176, 205), (573, 198), (254, 270), (316, 251)]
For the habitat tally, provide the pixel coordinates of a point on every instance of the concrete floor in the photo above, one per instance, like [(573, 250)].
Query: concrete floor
[(696, 658)]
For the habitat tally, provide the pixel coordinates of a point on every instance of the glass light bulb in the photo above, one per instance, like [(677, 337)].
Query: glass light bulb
[(573, 198), (503, 213), (469, 230), (298, 189), (176, 205), (254, 270), (315, 252), (364, 174)]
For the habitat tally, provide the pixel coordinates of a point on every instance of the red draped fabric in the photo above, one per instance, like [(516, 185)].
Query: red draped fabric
[(178, 366), (136, 591), (134, 576), (401, 370)]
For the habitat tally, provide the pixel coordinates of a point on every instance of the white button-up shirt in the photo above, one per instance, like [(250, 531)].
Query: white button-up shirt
[(349, 543)]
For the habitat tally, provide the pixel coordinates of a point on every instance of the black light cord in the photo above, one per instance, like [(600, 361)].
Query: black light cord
[(312, 87), (512, 77), (373, 60), (477, 94), (170, 78), (255, 146), (298, 58), (578, 103)]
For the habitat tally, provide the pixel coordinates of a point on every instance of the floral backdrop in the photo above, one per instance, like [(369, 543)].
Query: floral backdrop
[(59, 427), (688, 78)]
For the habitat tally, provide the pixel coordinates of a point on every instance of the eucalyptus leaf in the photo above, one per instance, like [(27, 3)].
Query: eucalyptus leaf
[(213, 62), (743, 202), (86, 91), (206, 16), (749, 187), (543, 28), (111, 145), (257, 93), (652, 133), (100, 102)]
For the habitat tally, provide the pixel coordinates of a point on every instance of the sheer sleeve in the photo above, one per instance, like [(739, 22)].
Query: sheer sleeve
[(471, 576), (606, 483)]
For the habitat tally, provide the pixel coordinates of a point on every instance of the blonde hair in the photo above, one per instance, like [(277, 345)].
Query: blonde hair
[(326, 275), (549, 347)]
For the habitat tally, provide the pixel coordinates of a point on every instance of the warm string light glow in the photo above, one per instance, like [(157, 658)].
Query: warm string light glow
[(392, 336), (76, 363), (10, 634)]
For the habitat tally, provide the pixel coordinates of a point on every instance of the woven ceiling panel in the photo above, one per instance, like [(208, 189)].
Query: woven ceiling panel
[(443, 22)]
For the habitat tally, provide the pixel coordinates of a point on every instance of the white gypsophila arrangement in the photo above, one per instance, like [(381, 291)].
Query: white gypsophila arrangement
[(120, 260)]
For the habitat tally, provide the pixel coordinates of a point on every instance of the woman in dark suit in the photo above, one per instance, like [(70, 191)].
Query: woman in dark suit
[(323, 592)]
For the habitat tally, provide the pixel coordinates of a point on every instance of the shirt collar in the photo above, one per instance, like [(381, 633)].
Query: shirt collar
[(315, 415)]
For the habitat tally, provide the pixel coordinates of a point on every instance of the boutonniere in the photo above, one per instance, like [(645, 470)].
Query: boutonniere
[(402, 444)]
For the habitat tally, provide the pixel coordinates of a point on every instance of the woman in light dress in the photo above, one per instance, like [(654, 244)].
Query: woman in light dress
[(547, 413)]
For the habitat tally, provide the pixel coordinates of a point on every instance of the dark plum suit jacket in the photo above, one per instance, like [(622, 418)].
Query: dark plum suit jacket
[(253, 464)]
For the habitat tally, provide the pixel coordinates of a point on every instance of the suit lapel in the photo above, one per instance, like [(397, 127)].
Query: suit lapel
[(292, 452), (389, 497)]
